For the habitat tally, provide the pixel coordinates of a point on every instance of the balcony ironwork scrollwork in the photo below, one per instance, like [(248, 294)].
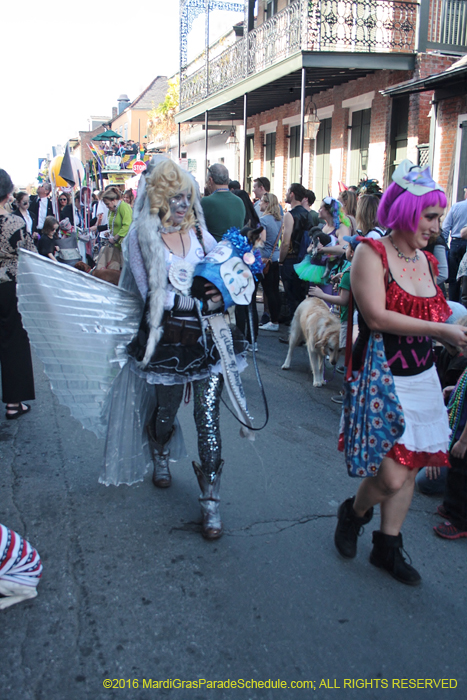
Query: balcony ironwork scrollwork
[(363, 26), (368, 26), (227, 68)]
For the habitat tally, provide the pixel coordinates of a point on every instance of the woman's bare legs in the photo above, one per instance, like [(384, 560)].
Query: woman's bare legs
[(393, 488)]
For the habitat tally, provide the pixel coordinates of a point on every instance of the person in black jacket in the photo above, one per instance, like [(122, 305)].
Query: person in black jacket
[(65, 209), (21, 208), (295, 225), (41, 205)]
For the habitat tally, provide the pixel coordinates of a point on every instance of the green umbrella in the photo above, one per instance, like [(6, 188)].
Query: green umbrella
[(106, 136)]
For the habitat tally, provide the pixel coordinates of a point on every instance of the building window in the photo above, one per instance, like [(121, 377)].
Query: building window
[(462, 178), (359, 145), (322, 161), (271, 8), (294, 155), (399, 132), (250, 159), (270, 157)]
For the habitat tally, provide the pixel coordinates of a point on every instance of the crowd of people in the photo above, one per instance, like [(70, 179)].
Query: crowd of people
[(378, 259), (92, 226), (122, 148)]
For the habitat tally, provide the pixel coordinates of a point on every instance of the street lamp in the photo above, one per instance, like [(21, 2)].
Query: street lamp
[(232, 138), (311, 121)]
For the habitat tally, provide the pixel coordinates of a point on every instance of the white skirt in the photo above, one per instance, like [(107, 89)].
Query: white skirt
[(426, 418)]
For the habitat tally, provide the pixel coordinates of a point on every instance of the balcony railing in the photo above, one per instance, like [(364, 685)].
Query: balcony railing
[(370, 26), (361, 26), (448, 25)]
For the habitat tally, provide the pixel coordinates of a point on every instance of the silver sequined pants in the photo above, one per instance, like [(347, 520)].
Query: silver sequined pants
[(206, 399)]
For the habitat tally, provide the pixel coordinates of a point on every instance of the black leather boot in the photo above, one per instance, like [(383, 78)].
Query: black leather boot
[(209, 501), (160, 456), (349, 527), (387, 553)]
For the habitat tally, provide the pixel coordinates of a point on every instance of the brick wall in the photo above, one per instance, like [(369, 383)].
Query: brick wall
[(379, 130), (430, 64), (420, 105), (418, 131), (447, 136)]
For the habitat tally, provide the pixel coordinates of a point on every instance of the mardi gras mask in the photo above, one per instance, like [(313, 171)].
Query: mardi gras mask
[(229, 267)]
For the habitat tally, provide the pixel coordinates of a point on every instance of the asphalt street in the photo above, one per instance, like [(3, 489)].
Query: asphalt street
[(132, 595)]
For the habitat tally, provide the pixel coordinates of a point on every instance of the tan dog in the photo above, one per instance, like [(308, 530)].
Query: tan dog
[(314, 323)]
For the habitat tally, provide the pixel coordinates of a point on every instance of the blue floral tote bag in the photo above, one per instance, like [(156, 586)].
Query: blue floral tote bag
[(372, 417)]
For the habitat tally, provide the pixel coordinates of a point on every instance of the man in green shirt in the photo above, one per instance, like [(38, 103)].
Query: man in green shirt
[(222, 209)]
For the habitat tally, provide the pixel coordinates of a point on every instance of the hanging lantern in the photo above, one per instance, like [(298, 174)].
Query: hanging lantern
[(311, 122), (232, 138)]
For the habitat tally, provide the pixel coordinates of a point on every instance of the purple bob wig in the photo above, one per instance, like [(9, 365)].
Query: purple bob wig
[(401, 210)]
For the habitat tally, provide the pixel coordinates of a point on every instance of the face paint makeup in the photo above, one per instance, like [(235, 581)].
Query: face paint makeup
[(179, 205)]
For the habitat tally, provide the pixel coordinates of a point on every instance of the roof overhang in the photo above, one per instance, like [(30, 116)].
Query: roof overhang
[(449, 83), (281, 83)]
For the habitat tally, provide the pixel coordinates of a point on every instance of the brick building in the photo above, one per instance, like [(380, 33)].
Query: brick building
[(446, 93), (293, 65)]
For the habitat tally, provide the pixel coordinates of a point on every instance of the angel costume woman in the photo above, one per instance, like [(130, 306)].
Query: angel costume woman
[(164, 244), (178, 340)]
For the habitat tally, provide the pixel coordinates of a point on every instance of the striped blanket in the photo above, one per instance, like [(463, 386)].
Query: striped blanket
[(19, 561)]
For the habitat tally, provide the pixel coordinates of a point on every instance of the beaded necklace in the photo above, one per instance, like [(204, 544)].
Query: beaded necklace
[(401, 255), (113, 220), (456, 406)]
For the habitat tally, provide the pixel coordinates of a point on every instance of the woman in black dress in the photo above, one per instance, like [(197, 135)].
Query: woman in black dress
[(15, 353)]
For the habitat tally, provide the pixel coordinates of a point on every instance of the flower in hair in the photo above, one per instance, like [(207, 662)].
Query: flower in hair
[(412, 178), (337, 212), (250, 256)]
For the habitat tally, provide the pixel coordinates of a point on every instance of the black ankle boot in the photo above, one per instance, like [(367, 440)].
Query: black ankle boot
[(387, 553), (209, 501), (160, 456), (349, 527)]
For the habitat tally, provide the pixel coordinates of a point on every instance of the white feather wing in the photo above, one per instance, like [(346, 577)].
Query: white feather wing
[(79, 326)]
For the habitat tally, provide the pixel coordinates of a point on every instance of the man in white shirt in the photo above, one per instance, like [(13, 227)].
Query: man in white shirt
[(41, 204)]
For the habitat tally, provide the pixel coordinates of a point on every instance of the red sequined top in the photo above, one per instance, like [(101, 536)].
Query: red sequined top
[(433, 308), (415, 352), (406, 355)]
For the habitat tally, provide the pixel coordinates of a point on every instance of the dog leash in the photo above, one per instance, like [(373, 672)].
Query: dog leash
[(258, 378)]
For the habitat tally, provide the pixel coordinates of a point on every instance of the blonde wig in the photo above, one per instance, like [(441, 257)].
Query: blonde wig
[(165, 181)]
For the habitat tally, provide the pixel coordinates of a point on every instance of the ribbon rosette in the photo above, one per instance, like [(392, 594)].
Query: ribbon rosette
[(250, 256)]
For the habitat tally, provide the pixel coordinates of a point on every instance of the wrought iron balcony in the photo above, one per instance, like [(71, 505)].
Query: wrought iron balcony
[(447, 26), (361, 26)]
